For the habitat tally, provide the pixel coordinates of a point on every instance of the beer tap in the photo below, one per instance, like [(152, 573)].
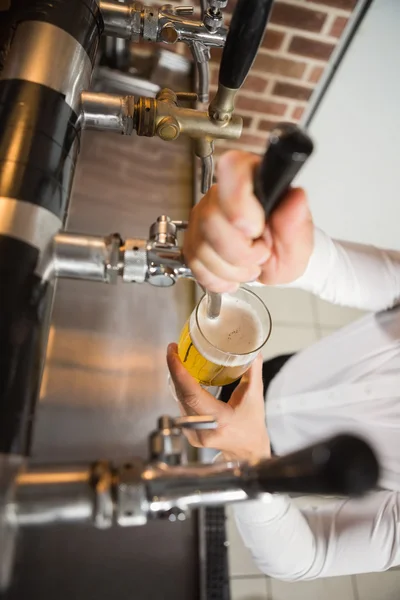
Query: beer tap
[(104, 495), (164, 115), (158, 259), (169, 25)]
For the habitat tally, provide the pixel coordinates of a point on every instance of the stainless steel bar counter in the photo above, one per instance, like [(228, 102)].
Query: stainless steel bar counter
[(105, 384)]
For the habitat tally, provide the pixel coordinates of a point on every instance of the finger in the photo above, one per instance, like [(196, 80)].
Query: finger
[(232, 245), (291, 230), (291, 215), (192, 436), (189, 391), (211, 226), (253, 375), (250, 386), (236, 192), (224, 270), (210, 281)]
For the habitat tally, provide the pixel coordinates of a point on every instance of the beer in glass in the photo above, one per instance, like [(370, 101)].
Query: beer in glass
[(218, 351)]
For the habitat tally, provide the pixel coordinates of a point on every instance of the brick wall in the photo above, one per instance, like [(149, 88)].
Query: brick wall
[(300, 39)]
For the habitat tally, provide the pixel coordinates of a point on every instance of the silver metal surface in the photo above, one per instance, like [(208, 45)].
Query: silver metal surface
[(43, 53), (122, 20), (106, 112), (195, 422), (103, 481), (105, 381), (213, 20), (48, 496), (184, 502), (174, 62), (214, 302), (114, 80), (163, 231), (27, 222), (92, 258), (203, 6), (10, 466), (207, 173), (169, 25), (132, 506), (166, 265), (135, 261), (118, 21), (167, 441), (189, 30), (102, 495), (202, 55), (150, 24), (218, 4), (187, 486)]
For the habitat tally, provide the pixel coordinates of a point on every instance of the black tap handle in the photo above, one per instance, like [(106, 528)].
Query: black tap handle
[(344, 465), (288, 149), (245, 35)]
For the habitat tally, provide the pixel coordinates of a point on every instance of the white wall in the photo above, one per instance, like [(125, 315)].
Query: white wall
[(352, 178)]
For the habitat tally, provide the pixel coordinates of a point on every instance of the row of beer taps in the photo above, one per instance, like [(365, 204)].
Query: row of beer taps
[(164, 116), (169, 25), (166, 486)]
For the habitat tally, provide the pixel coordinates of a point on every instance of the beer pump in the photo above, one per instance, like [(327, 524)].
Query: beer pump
[(135, 22), (49, 53)]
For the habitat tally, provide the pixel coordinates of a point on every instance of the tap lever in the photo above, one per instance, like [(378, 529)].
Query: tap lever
[(344, 465), (195, 422), (167, 443), (244, 38), (288, 149)]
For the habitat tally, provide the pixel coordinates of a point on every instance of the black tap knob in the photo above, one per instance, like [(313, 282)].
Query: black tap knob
[(244, 38), (245, 35), (289, 147), (344, 465)]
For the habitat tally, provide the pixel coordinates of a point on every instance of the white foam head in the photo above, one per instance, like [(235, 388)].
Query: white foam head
[(238, 331)]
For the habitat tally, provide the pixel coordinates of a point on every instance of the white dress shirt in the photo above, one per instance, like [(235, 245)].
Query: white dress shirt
[(347, 382)]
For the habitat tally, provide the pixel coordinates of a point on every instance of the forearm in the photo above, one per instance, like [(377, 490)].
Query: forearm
[(278, 537), (353, 275), (338, 537)]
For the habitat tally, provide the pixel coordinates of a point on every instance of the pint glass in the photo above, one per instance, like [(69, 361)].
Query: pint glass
[(218, 351)]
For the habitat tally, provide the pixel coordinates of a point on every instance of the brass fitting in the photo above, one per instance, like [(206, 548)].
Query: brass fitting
[(222, 106), (164, 117)]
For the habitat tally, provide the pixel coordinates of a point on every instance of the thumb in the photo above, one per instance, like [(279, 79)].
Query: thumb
[(290, 234), (250, 386), (189, 391), (291, 218)]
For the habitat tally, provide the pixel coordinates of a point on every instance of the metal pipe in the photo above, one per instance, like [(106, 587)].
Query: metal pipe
[(204, 81), (203, 7), (117, 19), (207, 173), (49, 62), (107, 112), (183, 487), (48, 495), (134, 22), (197, 499), (197, 124), (86, 257)]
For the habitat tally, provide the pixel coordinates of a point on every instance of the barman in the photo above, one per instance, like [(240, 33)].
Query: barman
[(347, 382)]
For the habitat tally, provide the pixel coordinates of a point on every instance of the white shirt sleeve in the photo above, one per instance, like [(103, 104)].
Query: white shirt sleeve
[(339, 537), (351, 274)]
